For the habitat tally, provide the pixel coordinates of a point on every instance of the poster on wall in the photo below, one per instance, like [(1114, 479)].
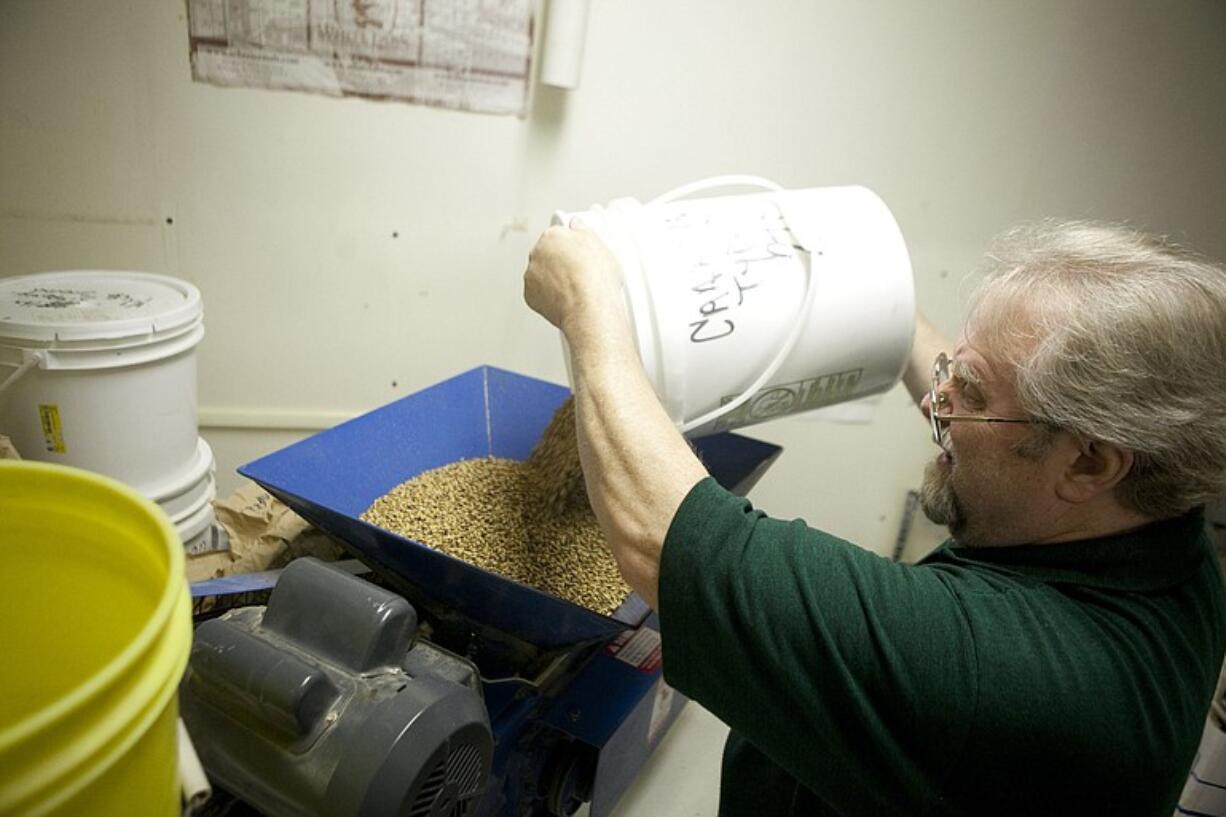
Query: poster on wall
[(472, 55)]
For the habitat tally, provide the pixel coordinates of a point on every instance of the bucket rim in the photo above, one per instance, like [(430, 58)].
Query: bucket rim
[(194, 521), (14, 331), (146, 638), (186, 480), (86, 762)]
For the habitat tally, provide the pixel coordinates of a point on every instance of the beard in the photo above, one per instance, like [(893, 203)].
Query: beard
[(938, 499)]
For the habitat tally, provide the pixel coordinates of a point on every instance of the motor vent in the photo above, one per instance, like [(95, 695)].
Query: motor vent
[(452, 786)]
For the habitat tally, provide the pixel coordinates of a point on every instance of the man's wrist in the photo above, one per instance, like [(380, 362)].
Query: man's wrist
[(597, 338)]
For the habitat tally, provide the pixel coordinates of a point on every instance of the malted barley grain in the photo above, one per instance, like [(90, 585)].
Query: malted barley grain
[(528, 521)]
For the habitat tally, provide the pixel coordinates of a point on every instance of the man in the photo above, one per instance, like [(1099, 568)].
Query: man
[(1057, 656)]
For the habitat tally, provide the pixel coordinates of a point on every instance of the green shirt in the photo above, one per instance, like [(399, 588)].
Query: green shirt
[(1032, 680)]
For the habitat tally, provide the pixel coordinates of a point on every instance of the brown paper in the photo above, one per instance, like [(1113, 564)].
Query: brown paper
[(264, 535)]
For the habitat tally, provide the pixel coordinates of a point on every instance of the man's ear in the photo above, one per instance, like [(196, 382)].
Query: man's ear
[(1096, 469)]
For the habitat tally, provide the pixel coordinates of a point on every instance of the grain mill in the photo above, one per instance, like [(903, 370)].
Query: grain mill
[(436, 689)]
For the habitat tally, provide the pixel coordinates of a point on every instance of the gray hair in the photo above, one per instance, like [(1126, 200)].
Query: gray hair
[(1117, 336)]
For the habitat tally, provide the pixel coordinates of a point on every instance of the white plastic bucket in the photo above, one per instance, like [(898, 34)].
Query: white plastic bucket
[(188, 500), (750, 307), (98, 371)]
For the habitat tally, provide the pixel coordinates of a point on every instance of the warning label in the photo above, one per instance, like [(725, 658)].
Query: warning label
[(788, 398), (53, 431), (639, 648)]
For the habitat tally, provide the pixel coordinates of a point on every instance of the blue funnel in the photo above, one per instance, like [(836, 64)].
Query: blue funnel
[(331, 478)]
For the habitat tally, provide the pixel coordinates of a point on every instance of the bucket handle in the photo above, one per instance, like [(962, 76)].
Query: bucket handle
[(194, 786), (735, 180), (32, 360), (806, 303)]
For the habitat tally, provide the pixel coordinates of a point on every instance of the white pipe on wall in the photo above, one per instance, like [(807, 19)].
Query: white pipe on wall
[(277, 419), (562, 50)]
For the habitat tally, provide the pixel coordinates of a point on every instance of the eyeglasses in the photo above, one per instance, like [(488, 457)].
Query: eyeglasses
[(940, 412)]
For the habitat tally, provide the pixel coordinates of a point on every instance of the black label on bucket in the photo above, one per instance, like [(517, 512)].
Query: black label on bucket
[(727, 254), (788, 398)]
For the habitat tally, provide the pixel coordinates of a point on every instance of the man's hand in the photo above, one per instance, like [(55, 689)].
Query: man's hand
[(573, 280)]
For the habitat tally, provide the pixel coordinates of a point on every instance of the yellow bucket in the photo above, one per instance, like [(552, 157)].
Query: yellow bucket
[(95, 623)]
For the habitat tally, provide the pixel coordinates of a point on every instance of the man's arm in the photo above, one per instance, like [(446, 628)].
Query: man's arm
[(637, 466), (929, 342)]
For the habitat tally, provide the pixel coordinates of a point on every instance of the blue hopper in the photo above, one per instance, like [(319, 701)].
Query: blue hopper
[(332, 477)]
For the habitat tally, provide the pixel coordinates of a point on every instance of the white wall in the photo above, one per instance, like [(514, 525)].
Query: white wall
[(351, 252)]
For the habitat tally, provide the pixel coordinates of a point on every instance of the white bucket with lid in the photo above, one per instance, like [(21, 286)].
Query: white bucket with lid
[(98, 371), (750, 307)]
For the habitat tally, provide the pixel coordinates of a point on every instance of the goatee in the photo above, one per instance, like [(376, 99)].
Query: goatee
[(937, 497)]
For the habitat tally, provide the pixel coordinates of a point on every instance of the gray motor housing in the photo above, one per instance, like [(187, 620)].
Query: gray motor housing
[(322, 704)]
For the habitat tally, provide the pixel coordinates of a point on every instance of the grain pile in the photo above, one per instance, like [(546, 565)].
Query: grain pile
[(527, 521)]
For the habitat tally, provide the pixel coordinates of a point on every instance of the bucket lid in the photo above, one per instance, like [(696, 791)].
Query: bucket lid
[(81, 305)]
